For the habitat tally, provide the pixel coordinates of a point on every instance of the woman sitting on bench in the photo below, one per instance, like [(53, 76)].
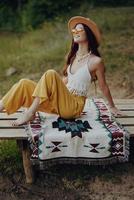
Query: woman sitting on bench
[(65, 97)]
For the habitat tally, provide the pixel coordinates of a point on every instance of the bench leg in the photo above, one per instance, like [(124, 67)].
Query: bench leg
[(131, 158), (28, 169)]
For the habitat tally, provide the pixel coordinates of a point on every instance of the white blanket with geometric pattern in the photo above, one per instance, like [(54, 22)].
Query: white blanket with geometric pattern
[(93, 138)]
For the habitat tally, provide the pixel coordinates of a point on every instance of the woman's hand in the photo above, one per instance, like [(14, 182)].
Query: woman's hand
[(116, 112)]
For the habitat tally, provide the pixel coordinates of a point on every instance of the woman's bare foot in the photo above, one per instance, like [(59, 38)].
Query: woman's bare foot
[(25, 117)]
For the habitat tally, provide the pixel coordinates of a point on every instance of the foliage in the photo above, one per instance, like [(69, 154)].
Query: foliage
[(22, 15)]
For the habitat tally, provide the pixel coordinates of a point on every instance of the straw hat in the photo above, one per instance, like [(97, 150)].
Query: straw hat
[(92, 25)]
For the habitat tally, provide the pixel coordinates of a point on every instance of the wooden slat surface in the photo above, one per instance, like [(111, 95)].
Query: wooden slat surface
[(127, 114), (5, 123), (126, 121), (130, 129), (13, 134), (16, 115), (123, 101), (5, 115), (9, 132), (127, 107)]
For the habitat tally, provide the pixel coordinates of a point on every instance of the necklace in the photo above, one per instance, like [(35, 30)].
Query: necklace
[(81, 57)]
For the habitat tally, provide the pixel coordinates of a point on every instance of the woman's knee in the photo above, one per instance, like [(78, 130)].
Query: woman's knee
[(51, 72), (25, 81)]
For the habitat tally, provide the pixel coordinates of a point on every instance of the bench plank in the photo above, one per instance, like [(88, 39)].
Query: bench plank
[(125, 106), (7, 123), (13, 134), (125, 121), (123, 101), (127, 114), (14, 115), (130, 129)]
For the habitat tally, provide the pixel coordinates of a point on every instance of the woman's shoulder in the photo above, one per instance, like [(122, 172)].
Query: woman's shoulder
[(95, 59), (96, 62)]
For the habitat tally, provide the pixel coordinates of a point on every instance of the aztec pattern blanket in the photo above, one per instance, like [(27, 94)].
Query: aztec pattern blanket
[(95, 138)]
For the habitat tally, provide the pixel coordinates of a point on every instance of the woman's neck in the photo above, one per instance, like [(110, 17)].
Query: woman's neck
[(83, 48)]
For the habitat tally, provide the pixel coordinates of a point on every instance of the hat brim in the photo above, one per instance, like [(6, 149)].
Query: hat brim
[(92, 25)]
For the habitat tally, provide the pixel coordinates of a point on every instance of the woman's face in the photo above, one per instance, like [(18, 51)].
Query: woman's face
[(79, 34)]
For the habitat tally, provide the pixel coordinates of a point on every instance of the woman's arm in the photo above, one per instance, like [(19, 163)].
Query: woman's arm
[(100, 73)]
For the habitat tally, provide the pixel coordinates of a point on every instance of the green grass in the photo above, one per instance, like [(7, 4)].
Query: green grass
[(34, 52), (10, 158)]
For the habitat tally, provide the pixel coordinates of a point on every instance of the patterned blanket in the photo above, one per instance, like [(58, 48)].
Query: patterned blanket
[(95, 138)]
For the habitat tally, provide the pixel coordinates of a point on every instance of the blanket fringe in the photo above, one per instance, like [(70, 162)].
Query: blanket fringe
[(45, 164)]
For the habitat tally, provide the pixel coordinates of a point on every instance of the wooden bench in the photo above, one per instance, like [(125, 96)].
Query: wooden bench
[(18, 133)]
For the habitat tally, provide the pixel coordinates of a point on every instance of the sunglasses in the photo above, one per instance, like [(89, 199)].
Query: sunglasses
[(78, 30)]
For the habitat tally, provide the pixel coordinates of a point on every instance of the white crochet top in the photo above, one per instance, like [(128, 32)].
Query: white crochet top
[(79, 82)]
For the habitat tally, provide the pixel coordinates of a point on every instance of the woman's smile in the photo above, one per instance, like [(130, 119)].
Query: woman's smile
[(77, 36)]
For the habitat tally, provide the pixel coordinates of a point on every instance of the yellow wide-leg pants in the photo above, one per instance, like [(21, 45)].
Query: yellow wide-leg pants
[(54, 96)]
